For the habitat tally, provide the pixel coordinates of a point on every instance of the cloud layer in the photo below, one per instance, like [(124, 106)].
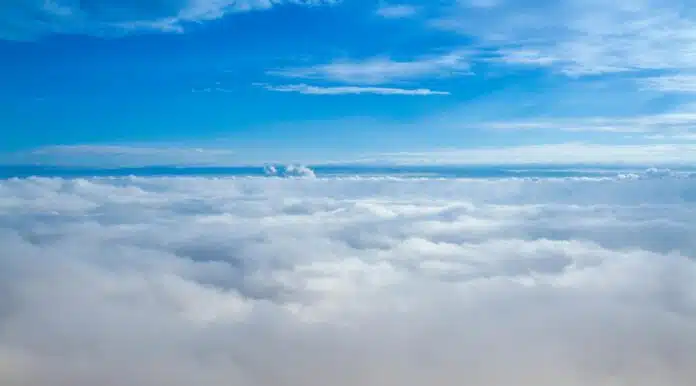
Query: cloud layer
[(180, 281)]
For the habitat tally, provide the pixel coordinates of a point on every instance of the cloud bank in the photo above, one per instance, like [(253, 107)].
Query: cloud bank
[(181, 281)]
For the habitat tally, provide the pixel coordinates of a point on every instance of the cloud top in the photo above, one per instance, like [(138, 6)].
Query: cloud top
[(257, 281)]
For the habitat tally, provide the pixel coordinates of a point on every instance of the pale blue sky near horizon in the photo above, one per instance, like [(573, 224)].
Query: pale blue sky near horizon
[(203, 82)]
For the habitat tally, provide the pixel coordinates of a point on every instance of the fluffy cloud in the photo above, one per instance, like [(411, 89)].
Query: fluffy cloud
[(180, 281), (21, 19), (289, 171)]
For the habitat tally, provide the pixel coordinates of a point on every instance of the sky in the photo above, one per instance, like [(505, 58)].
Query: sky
[(322, 259), (224, 82)]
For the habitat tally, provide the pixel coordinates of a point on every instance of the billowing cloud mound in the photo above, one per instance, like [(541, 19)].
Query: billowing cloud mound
[(193, 281), (289, 171)]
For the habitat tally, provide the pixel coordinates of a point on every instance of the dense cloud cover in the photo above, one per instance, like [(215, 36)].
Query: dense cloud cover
[(270, 281)]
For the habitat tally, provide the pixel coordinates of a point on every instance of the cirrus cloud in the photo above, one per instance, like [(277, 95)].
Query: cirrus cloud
[(34, 18), (381, 70), (396, 11), (349, 90), (580, 37)]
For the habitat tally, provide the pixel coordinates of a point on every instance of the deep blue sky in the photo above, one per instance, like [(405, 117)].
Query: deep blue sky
[(236, 82)]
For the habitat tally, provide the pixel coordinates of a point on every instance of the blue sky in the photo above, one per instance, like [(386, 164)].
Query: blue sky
[(244, 82)]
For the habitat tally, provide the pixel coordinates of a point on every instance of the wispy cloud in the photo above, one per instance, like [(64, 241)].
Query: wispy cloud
[(217, 88), (677, 83), (657, 150), (396, 11), (667, 122), (581, 37), (123, 155), (381, 70), (547, 154), (103, 17), (349, 90), (672, 137)]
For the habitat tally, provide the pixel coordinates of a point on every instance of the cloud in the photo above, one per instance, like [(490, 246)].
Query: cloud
[(580, 37), (34, 18), (673, 149), (381, 70), (122, 155), (396, 11), (670, 122), (289, 171), (349, 90), (211, 89), (180, 281), (672, 137), (547, 154), (680, 83)]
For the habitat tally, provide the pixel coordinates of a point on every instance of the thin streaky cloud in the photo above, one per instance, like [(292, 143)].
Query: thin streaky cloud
[(349, 90), (676, 83), (109, 17), (548, 154), (678, 121), (396, 11), (382, 70), (680, 151)]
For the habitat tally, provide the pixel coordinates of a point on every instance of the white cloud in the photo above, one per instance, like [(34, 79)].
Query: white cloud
[(381, 70), (350, 90), (122, 155), (673, 149), (581, 37), (396, 11), (548, 154), (676, 121), (289, 171), (680, 83), (672, 137), (34, 18), (180, 281)]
